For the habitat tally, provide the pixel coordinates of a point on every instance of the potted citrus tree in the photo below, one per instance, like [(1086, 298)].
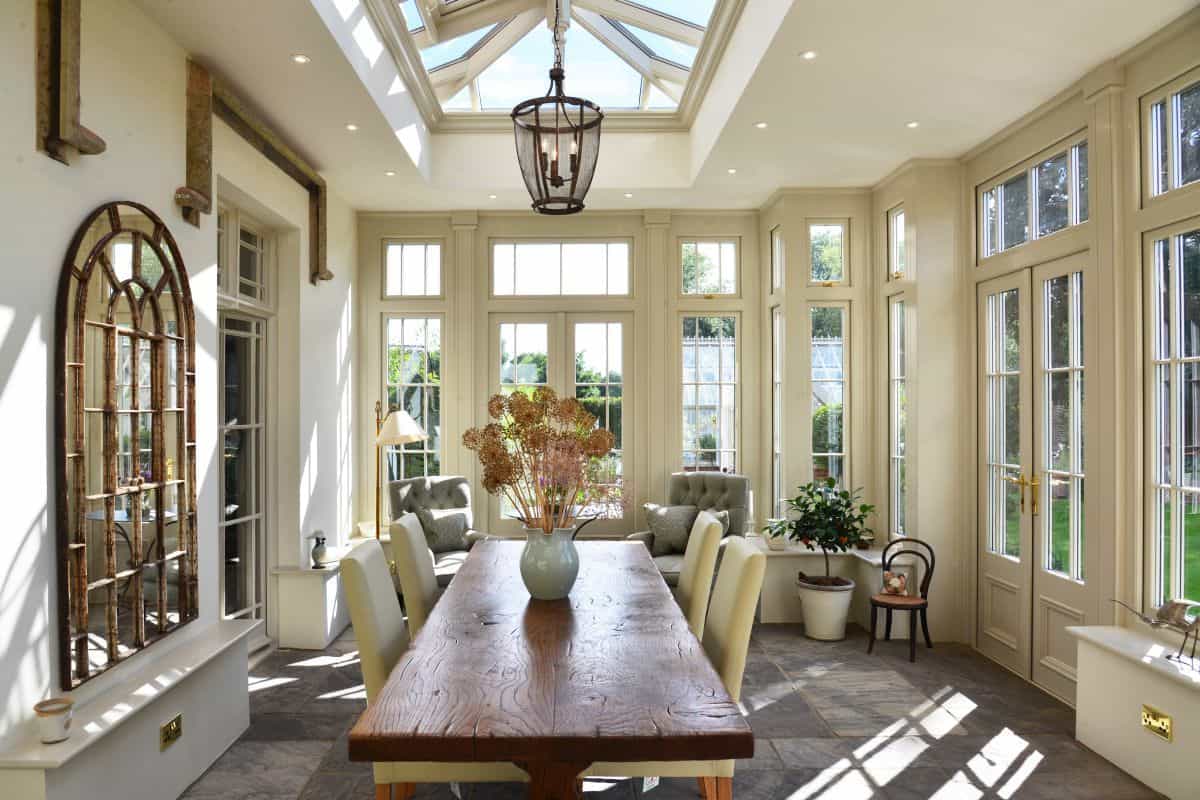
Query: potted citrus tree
[(823, 516)]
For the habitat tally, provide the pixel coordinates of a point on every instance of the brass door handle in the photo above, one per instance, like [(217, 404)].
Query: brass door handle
[(1034, 485), (1019, 480)]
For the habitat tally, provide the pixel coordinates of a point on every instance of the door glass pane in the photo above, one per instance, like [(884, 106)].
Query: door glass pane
[(1189, 137), (598, 386), (1015, 220), (1002, 446), (1061, 430), (1052, 201), (1189, 302), (412, 376), (523, 355), (828, 380)]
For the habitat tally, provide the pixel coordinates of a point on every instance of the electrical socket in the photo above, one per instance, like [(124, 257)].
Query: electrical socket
[(170, 732), (1157, 722)]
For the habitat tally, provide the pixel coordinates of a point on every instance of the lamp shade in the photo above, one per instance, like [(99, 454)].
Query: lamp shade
[(399, 428)]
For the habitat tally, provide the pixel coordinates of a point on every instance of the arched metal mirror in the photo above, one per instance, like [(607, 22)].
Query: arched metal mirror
[(126, 438)]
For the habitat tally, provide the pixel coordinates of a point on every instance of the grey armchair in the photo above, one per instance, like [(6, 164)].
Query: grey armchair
[(443, 505), (718, 491)]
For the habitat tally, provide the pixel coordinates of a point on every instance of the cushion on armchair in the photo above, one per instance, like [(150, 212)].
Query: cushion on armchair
[(443, 506), (669, 526), (445, 528)]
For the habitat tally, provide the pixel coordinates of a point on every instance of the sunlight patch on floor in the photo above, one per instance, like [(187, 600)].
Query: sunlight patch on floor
[(258, 684)]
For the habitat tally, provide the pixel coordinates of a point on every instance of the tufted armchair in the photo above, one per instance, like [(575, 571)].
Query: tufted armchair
[(439, 502), (708, 491)]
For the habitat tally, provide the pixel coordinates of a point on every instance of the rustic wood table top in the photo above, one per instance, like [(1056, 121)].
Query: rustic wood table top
[(610, 674)]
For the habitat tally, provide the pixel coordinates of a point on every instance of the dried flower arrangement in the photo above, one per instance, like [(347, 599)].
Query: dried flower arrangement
[(546, 455)]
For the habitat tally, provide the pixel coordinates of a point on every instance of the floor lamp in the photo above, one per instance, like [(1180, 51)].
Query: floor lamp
[(395, 428)]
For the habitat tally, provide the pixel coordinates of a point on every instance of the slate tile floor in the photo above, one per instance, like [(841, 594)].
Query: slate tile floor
[(831, 723)]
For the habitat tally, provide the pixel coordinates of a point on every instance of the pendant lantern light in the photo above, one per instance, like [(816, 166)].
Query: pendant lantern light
[(558, 141)]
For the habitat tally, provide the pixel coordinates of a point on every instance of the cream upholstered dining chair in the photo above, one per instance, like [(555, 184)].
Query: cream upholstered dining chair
[(414, 568), (382, 637), (696, 574), (726, 640)]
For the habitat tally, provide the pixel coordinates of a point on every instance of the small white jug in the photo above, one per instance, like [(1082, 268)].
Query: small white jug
[(54, 719)]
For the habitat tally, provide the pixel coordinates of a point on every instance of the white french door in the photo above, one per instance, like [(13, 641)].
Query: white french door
[(1034, 555), (588, 356)]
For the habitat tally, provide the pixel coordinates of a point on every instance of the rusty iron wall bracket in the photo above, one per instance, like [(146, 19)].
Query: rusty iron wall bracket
[(195, 198), (59, 132)]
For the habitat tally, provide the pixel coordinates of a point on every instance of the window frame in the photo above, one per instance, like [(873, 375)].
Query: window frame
[(558, 240), (897, 215), (844, 224), (386, 386), (684, 295), (1167, 94), (427, 241), (845, 307), (1029, 167), (230, 222), (739, 331), (778, 322), (1152, 540), (778, 251), (898, 457)]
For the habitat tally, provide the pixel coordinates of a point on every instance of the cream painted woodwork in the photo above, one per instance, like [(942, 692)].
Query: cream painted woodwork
[(649, 316), (1033, 424)]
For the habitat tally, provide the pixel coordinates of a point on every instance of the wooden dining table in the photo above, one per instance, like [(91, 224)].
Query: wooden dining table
[(612, 673)]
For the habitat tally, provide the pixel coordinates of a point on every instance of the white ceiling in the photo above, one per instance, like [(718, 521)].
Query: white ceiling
[(837, 120)]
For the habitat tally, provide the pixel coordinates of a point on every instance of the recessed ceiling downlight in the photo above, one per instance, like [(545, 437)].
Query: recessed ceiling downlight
[(300, 58), (350, 126), (391, 173), (629, 195), (809, 55), (913, 124), (760, 125), (732, 170)]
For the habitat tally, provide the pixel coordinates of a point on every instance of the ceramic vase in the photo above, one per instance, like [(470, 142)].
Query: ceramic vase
[(549, 563)]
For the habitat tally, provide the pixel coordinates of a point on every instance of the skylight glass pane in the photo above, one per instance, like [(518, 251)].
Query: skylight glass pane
[(443, 53), (671, 50), (521, 73), (460, 101), (599, 74), (659, 99), (694, 11), (412, 17)]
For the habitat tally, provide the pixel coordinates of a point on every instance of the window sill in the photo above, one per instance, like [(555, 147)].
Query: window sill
[(1141, 648)]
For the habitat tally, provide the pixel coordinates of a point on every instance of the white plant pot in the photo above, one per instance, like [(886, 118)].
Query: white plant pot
[(777, 542), (825, 609)]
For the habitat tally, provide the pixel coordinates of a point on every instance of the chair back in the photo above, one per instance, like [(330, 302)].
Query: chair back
[(696, 574), (731, 613), (912, 547), (722, 491), (414, 568), (374, 613)]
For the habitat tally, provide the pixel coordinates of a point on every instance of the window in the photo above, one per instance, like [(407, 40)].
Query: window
[(1045, 197), (1174, 139), (777, 488), (710, 387), (828, 342), (709, 268), (560, 268), (599, 386), (897, 248), (413, 379), (1174, 342), (243, 243), (524, 356), (777, 258), (412, 269), (898, 415), (828, 243), (243, 473)]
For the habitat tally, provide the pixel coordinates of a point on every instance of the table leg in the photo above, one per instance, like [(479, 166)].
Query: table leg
[(554, 780)]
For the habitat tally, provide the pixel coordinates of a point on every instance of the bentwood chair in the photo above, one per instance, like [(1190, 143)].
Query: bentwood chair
[(696, 574), (414, 568), (915, 605), (726, 640), (382, 638)]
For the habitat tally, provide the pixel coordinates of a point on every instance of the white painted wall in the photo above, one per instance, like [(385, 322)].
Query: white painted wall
[(134, 79)]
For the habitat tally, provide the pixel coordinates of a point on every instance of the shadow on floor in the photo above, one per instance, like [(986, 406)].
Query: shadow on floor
[(830, 723)]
